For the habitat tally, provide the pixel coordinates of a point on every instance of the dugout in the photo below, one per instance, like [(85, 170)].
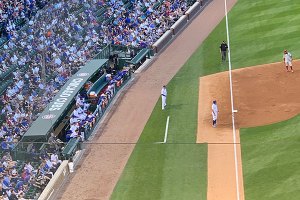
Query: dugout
[(55, 113)]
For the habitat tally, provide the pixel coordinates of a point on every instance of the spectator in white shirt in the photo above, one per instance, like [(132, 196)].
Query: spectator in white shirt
[(54, 159)]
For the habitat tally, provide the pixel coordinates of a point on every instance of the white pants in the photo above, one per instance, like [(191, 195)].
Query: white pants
[(288, 63), (163, 102), (214, 116)]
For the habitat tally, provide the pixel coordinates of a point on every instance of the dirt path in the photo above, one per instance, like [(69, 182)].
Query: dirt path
[(271, 97), (103, 165), (221, 165)]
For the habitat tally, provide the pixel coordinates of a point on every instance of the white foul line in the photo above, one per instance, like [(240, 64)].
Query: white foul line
[(166, 131), (232, 109)]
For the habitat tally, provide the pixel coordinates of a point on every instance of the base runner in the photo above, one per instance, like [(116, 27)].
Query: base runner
[(287, 59)]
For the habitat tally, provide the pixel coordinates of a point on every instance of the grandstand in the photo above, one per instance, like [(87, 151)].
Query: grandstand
[(43, 46), (14, 14)]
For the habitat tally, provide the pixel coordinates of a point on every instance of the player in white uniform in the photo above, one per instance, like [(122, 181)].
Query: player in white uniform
[(287, 59), (163, 97), (214, 113)]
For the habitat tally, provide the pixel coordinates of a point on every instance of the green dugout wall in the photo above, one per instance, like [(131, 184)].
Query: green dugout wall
[(52, 115)]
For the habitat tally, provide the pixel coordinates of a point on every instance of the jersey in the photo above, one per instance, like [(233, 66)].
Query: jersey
[(215, 111), (164, 92), (287, 57), (223, 47)]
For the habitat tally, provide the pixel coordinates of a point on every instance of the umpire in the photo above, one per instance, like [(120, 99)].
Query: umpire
[(223, 50)]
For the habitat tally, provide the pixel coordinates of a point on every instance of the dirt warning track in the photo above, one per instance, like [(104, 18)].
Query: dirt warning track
[(263, 95)]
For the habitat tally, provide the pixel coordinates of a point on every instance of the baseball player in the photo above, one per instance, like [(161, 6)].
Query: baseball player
[(214, 113), (164, 97), (287, 59)]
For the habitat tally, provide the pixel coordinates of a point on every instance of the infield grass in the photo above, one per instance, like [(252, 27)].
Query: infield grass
[(260, 30)]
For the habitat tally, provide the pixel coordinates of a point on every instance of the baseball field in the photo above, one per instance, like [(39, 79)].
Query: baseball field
[(197, 161)]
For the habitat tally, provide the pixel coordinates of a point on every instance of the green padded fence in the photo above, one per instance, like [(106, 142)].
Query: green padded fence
[(71, 147)]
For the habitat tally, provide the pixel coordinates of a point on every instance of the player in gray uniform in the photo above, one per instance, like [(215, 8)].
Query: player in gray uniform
[(287, 59), (214, 113)]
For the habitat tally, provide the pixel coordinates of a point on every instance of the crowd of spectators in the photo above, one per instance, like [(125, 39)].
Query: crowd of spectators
[(141, 25), (13, 13), (18, 177)]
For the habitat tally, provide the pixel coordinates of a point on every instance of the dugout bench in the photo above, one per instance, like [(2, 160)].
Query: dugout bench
[(98, 85)]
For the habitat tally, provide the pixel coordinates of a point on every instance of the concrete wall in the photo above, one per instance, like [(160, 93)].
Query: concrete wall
[(56, 181), (193, 10), (179, 24), (162, 41)]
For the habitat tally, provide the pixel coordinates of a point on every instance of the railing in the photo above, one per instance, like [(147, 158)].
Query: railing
[(111, 48), (104, 53)]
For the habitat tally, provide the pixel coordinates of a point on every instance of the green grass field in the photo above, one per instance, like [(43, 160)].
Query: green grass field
[(259, 32), (270, 161)]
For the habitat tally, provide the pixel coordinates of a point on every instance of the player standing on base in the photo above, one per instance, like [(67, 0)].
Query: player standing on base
[(287, 59)]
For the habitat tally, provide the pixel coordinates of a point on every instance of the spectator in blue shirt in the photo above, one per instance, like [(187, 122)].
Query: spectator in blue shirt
[(4, 145)]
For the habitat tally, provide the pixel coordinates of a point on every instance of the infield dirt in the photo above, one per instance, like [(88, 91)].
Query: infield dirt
[(263, 95)]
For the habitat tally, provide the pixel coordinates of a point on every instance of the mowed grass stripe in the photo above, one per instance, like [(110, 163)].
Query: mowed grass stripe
[(259, 40), (164, 171), (185, 169), (271, 159), (143, 176), (183, 98)]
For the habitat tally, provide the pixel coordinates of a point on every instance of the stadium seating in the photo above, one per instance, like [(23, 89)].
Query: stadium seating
[(14, 15)]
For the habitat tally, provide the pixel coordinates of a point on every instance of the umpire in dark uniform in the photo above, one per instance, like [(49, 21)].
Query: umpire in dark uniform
[(223, 50)]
